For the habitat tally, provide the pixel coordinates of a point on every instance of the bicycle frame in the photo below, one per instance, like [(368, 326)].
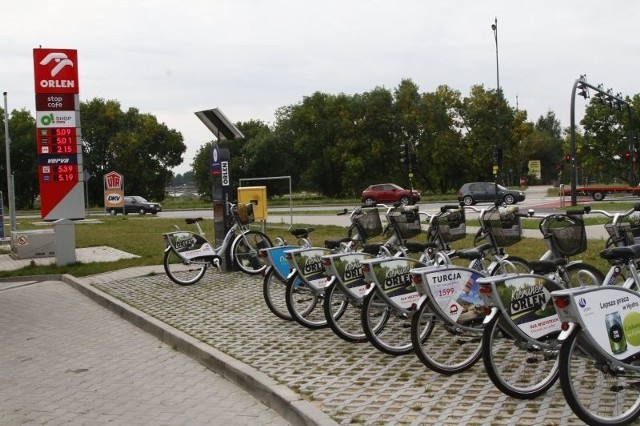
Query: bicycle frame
[(190, 245), (588, 311), (453, 293), (308, 263), (525, 302)]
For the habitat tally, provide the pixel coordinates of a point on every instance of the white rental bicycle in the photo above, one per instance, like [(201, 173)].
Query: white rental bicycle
[(188, 255)]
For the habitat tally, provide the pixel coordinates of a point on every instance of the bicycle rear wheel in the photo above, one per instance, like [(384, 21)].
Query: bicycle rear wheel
[(274, 290), (448, 349), (302, 303), (181, 272), (388, 329), (518, 368), (245, 251), (597, 392), (343, 314)]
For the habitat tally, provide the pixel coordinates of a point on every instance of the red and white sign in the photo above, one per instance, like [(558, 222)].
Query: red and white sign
[(56, 70), (113, 190), (113, 180), (59, 148)]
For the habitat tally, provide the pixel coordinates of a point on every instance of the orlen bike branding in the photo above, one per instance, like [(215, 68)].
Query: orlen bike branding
[(395, 279), (56, 70), (310, 266)]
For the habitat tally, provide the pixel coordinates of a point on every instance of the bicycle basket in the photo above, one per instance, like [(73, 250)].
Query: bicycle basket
[(406, 221), (368, 222), (568, 235), (245, 213), (504, 226), (629, 234), (452, 226)]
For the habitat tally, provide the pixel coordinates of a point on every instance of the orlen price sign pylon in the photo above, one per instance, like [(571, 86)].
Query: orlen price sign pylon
[(59, 146)]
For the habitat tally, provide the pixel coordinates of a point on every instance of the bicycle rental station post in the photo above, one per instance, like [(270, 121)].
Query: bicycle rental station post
[(225, 131)]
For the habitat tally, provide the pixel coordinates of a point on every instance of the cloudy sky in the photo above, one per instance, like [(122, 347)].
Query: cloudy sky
[(171, 58)]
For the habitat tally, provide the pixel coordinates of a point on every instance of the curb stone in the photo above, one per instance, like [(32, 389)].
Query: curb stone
[(274, 395)]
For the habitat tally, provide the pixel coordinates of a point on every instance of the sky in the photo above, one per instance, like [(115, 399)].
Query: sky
[(248, 58)]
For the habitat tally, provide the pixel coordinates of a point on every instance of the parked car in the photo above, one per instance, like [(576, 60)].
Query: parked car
[(136, 204), (479, 192), (389, 193)]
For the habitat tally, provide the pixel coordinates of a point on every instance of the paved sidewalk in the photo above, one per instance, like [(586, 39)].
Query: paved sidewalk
[(65, 360), (311, 375)]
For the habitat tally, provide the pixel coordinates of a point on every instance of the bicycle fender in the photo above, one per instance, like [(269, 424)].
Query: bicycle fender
[(564, 334), (492, 314)]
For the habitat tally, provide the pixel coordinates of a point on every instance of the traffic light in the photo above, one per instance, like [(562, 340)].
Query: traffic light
[(497, 156), (404, 154), (627, 155), (567, 158), (583, 90)]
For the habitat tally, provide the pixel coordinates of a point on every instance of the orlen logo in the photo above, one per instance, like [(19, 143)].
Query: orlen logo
[(60, 60), (56, 70)]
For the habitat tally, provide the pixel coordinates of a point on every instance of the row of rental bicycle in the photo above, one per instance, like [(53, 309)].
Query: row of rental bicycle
[(531, 322)]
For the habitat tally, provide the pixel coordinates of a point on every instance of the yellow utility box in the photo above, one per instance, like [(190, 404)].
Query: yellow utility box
[(256, 195)]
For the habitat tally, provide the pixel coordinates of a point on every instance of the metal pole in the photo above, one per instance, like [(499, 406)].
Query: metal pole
[(494, 27), (498, 144), (7, 140), (572, 145)]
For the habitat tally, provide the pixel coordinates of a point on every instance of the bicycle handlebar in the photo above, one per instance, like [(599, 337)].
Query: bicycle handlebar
[(616, 216), (448, 207)]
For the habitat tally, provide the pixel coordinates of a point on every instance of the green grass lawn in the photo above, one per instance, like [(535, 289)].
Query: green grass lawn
[(142, 236)]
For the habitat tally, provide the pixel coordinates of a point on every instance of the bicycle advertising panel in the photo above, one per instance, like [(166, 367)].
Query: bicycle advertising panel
[(526, 300), (393, 276), (609, 315), (454, 291), (275, 256), (347, 269), (308, 263), (189, 245)]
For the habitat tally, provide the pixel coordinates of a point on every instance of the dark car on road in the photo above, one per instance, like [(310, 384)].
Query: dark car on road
[(136, 204), (389, 193), (480, 192)]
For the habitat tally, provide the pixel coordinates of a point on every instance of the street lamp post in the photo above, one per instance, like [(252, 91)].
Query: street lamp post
[(498, 146), (494, 27)]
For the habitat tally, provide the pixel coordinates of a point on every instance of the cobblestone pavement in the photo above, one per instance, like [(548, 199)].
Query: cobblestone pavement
[(352, 383), (67, 361)]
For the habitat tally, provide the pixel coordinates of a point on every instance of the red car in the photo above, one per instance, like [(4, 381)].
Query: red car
[(388, 193)]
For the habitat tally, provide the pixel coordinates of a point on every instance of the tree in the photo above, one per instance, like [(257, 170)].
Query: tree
[(201, 167), (22, 133), (133, 144), (605, 143), (542, 141)]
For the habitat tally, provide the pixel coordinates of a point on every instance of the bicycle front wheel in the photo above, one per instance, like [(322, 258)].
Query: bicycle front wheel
[(388, 329), (448, 349), (302, 303), (245, 251), (274, 290), (597, 392), (518, 368), (582, 274), (512, 264), (184, 272), (343, 314)]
